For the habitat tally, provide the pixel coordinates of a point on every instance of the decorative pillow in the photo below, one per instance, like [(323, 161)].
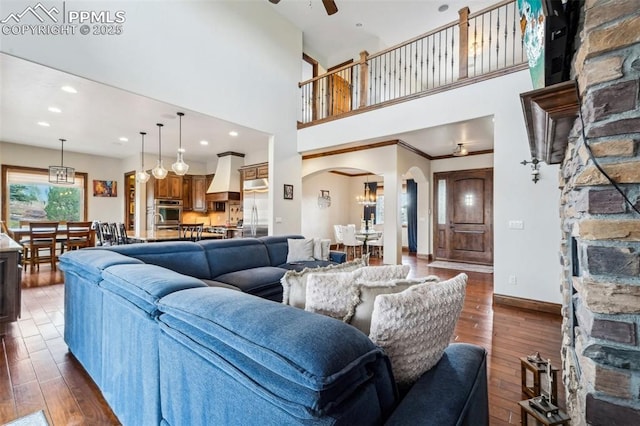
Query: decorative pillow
[(294, 283), (300, 250), (415, 326), (368, 291), (384, 272), (337, 297), (321, 248), (333, 295)]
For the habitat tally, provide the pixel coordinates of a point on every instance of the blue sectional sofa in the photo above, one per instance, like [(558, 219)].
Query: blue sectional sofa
[(165, 334)]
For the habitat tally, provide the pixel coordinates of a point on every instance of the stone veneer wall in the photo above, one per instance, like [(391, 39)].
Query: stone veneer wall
[(602, 370)]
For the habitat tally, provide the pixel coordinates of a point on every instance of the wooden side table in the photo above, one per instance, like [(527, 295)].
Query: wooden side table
[(526, 410), (532, 375)]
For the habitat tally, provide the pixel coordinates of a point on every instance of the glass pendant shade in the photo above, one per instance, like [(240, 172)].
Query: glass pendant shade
[(142, 176), (180, 167), (159, 172)]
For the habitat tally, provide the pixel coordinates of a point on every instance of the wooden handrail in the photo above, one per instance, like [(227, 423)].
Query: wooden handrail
[(490, 8)]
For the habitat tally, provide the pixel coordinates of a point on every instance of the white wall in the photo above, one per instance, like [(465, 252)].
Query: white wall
[(530, 254), (239, 61)]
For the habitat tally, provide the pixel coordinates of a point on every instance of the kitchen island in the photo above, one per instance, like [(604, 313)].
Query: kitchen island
[(152, 235), (10, 277)]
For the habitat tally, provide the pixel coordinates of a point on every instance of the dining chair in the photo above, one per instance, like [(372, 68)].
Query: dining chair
[(337, 232), (376, 245), (78, 235), (190, 231), (349, 240), (123, 238), (42, 238)]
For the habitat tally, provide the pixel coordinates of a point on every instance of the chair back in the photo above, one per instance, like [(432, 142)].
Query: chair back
[(43, 231), (337, 232), (78, 229), (190, 231), (3, 227), (123, 238), (349, 236)]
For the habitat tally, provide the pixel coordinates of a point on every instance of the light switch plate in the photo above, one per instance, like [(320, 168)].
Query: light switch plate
[(516, 224)]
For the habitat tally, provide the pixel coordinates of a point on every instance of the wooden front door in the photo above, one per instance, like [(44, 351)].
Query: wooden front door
[(464, 216)]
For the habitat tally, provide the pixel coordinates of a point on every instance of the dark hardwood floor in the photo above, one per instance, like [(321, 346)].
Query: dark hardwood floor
[(38, 373)]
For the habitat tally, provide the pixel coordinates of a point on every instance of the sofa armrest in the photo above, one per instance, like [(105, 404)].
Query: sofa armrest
[(337, 256), (453, 392)]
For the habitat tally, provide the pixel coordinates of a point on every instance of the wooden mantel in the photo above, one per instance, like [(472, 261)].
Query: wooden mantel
[(549, 114)]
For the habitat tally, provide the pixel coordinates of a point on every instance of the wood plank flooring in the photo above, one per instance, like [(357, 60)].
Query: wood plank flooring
[(38, 373)]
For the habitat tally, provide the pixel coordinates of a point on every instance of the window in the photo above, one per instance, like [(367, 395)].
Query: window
[(29, 196), (404, 203)]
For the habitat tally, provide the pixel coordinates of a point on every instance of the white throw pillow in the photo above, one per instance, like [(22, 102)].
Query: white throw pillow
[(300, 250), (294, 283), (321, 248), (338, 296), (414, 327), (368, 291), (333, 295)]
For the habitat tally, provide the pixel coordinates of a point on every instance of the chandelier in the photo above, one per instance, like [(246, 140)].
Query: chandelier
[(368, 199), (61, 174), (180, 167)]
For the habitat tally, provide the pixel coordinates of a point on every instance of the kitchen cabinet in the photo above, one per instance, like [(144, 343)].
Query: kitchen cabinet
[(199, 193), (10, 277), (187, 193), (169, 187), (255, 171)]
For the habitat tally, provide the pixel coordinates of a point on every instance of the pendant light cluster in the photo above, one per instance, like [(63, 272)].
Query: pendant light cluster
[(159, 172)]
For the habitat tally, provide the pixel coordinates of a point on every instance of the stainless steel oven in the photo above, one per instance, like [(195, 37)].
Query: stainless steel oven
[(167, 213)]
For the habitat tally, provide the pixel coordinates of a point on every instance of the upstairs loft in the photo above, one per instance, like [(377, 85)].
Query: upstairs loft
[(477, 47)]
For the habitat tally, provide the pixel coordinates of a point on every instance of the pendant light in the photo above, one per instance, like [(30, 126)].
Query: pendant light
[(61, 174), (159, 172), (142, 176), (180, 167)]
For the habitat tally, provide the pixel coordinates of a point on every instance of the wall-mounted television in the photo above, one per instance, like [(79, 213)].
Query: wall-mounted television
[(548, 32)]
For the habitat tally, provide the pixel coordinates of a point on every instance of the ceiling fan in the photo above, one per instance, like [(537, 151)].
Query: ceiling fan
[(329, 5)]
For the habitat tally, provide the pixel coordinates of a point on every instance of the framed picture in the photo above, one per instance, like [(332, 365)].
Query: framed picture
[(105, 188), (288, 192)]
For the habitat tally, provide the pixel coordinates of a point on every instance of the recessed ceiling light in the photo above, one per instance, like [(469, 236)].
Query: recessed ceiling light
[(43, 124), (204, 142), (443, 8), (123, 139), (69, 89), (233, 133), (55, 109)]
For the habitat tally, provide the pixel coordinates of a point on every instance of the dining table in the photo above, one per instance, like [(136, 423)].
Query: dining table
[(19, 233), (157, 235), (365, 235)]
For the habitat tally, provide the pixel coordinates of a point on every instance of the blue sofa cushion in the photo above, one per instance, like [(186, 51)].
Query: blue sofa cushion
[(144, 285), (233, 255), (89, 264), (461, 376), (278, 247), (255, 281), (323, 363), (185, 257)]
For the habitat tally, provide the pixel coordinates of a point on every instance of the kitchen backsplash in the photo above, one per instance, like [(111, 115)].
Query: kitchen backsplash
[(229, 217)]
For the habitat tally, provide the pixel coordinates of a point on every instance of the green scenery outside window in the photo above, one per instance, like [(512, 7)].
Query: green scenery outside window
[(380, 205), (32, 198)]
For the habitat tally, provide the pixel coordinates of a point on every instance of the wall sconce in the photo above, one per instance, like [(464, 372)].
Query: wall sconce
[(324, 200), (535, 164)]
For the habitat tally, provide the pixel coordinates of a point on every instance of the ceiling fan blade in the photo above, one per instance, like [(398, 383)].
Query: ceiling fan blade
[(275, 1), (330, 6)]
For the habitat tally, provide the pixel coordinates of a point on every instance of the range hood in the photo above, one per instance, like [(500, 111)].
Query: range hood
[(226, 181)]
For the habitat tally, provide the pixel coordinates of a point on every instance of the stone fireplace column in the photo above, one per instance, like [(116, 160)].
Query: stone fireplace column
[(600, 251)]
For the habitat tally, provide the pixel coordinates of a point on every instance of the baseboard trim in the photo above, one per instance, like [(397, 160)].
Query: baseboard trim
[(532, 305), (427, 257)]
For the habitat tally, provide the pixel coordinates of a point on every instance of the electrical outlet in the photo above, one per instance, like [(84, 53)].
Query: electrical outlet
[(513, 280)]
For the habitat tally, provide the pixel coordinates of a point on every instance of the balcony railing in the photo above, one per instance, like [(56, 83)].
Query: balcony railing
[(478, 46)]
